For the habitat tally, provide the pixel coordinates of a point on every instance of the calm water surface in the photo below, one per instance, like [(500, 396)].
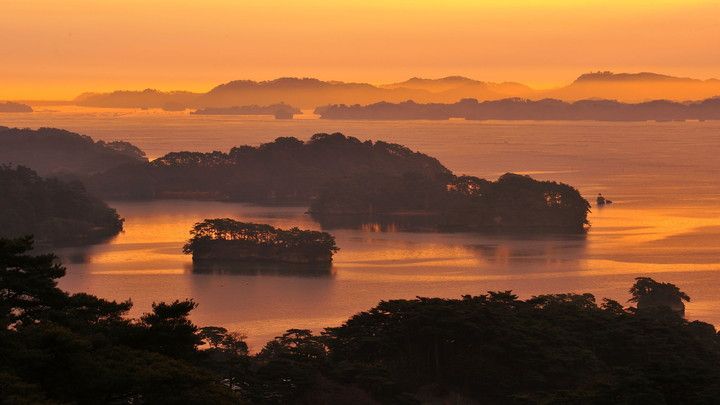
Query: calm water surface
[(665, 223)]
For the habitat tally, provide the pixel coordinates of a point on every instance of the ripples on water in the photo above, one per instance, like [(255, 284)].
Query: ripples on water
[(665, 223)]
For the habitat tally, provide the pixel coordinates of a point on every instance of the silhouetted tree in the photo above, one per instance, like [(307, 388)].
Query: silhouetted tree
[(648, 294), (168, 329), (490, 348)]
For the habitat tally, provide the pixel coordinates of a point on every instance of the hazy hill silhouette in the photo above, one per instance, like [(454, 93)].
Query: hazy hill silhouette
[(300, 92), (453, 88), (305, 93), (636, 87), (12, 107), (148, 98), (310, 93)]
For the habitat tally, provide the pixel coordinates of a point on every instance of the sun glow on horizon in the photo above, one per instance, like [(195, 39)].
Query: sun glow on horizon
[(57, 50)]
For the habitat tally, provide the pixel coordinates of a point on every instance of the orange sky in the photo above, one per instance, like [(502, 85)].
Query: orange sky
[(58, 49)]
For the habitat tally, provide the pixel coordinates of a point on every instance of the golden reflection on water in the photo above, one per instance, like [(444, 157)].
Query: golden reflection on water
[(136, 272), (621, 241), (145, 263), (665, 223)]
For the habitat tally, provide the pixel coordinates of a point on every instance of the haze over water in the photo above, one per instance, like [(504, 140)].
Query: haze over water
[(663, 177)]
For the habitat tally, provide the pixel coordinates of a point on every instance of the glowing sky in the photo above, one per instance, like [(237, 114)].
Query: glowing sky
[(57, 49)]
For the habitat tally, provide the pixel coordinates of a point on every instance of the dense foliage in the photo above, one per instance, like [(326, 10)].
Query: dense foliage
[(492, 348), (648, 293), (548, 349), (226, 238), (336, 173), (286, 170), (51, 209), (60, 348), (59, 152), (512, 202)]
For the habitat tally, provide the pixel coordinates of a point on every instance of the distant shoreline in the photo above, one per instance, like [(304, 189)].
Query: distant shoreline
[(521, 109)]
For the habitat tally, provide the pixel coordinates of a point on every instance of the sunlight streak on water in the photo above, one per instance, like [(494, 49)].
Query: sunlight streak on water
[(665, 222)]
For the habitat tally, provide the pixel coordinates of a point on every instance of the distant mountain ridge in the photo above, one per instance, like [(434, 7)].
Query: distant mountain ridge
[(636, 87), (625, 77), (148, 98), (308, 93)]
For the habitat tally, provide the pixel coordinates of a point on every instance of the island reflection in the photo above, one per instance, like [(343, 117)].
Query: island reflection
[(226, 267)]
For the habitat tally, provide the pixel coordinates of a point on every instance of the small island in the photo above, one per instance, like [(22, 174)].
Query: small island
[(279, 111), (224, 239)]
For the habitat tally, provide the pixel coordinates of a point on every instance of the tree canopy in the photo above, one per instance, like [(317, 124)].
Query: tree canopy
[(649, 294), (285, 170), (225, 238), (52, 210), (513, 202), (227, 229), (490, 348)]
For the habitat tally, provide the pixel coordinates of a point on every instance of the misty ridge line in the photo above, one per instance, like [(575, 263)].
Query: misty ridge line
[(309, 93)]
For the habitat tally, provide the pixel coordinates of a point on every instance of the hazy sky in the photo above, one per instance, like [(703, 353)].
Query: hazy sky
[(57, 49)]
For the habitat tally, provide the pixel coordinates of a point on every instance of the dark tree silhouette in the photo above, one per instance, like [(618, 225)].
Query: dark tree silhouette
[(286, 170), (52, 210), (227, 239), (168, 329), (513, 202), (57, 152), (492, 348), (648, 293)]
